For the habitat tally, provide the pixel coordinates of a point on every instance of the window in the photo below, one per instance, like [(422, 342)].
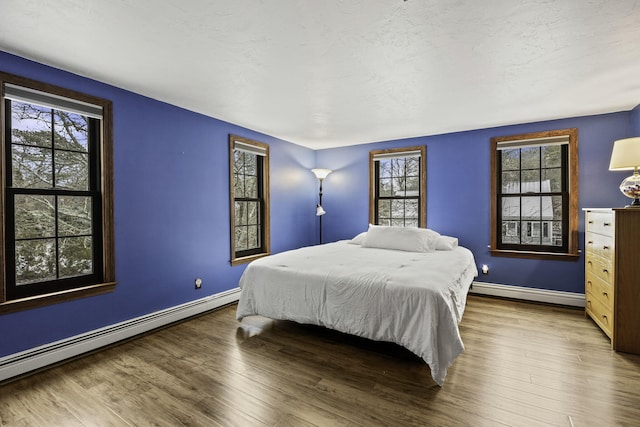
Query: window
[(534, 208), (56, 195), (397, 187), (249, 201)]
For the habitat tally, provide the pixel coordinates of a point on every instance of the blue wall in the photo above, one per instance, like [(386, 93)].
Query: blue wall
[(171, 211), (635, 121), (458, 192)]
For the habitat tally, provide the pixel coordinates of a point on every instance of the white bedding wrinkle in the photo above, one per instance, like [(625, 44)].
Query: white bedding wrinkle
[(409, 298)]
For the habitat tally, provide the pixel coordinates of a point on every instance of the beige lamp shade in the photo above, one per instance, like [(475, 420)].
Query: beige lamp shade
[(321, 173), (625, 154)]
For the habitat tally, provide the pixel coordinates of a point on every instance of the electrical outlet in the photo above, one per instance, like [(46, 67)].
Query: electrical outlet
[(198, 283)]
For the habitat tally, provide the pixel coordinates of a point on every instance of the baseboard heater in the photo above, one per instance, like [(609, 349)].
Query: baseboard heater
[(529, 294), (36, 358)]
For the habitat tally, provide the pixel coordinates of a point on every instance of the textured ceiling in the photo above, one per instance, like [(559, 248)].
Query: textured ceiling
[(341, 72)]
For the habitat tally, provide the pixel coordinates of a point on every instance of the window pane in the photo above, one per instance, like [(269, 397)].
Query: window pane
[(34, 216), (35, 261), (511, 208), (238, 162), (556, 233), (253, 213), (76, 255), (556, 207), (397, 208), (241, 238), (531, 208), (251, 187), (511, 182), (530, 181), (511, 232), (241, 213), (551, 156), (72, 170), (397, 167), (530, 157), (530, 236), (413, 186), (384, 209), (385, 187), (411, 223), (31, 167), (395, 222), (71, 131), (238, 186), (510, 159), (253, 237), (74, 215), (384, 221), (552, 180), (546, 211), (384, 168), (411, 209), (250, 164), (413, 166), (30, 124), (399, 186)]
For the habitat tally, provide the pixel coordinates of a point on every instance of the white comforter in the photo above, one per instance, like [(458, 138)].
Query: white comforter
[(412, 299)]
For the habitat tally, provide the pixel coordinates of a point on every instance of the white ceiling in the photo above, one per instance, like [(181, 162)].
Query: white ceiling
[(326, 73)]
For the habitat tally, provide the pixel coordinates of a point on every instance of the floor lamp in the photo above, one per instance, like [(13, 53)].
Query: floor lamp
[(321, 174)]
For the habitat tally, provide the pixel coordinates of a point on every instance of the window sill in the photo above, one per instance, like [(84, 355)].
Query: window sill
[(56, 297), (535, 255), (248, 259)]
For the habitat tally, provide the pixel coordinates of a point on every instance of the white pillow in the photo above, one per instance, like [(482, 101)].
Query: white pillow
[(408, 239), (358, 239), (446, 243)]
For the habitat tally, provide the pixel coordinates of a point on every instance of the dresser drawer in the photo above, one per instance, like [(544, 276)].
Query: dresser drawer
[(599, 313), (599, 290), (599, 267), (599, 245), (600, 222)]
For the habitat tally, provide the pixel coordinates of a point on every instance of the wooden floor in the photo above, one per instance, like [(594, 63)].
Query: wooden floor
[(524, 365)]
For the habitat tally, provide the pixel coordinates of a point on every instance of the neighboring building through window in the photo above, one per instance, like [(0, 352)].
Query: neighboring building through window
[(57, 193), (397, 187), (534, 194), (249, 199)]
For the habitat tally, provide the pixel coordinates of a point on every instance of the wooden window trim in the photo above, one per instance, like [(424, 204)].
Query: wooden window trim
[(572, 253), (423, 181), (266, 207), (106, 171)]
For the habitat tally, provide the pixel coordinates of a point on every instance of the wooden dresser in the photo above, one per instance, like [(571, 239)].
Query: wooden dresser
[(612, 274)]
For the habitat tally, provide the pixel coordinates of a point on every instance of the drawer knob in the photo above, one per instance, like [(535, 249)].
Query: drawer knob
[(590, 242), (604, 270), (591, 222), (605, 247), (607, 224), (604, 294)]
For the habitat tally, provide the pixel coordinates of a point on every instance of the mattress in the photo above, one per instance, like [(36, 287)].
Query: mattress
[(412, 299)]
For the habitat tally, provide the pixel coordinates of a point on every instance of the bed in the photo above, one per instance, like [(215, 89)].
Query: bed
[(414, 299)]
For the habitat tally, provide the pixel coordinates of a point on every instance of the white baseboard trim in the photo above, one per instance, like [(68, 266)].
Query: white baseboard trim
[(48, 354), (528, 294)]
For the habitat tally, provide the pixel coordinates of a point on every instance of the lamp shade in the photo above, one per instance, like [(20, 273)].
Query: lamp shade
[(320, 211), (321, 173), (625, 154)]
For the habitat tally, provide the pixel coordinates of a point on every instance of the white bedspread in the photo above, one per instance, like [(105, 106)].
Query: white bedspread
[(412, 299)]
